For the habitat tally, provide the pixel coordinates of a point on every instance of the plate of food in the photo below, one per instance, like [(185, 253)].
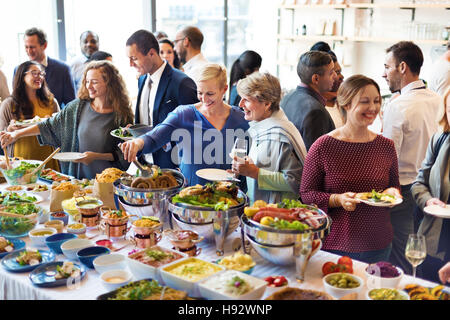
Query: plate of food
[(29, 122), (68, 156), (50, 175), (8, 246), (26, 260), (57, 274), (122, 133), (220, 195), (11, 198), (147, 289), (378, 199), (438, 211), (212, 174)]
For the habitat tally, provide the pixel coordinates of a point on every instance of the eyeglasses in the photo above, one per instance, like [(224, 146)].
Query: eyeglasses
[(176, 40), (36, 74)]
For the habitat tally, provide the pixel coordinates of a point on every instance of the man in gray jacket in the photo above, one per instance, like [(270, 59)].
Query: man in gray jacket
[(305, 106)]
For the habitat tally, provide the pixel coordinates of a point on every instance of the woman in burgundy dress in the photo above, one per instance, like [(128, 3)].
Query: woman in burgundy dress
[(349, 160)]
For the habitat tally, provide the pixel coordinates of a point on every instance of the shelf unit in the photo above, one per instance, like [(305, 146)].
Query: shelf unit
[(344, 38)]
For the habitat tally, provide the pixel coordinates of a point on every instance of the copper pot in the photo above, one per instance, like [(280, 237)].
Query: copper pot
[(146, 241), (89, 210), (191, 252), (104, 211), (183, 239), (114, 230)]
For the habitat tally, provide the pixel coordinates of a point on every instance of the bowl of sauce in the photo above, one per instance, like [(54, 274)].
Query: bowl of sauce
[(114, 279)]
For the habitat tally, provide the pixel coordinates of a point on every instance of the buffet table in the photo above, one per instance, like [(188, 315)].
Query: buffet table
[(15, 286)]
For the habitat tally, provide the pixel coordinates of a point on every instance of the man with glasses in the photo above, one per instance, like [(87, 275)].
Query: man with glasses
[(161, 89), (89, 44), (57, 73), (188, 43)]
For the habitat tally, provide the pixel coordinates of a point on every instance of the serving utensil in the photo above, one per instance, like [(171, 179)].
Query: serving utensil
[(146, 171), (8, 164)]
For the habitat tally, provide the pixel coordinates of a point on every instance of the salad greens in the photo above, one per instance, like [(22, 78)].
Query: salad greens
[(122, 133), (291, 203), (284, 224), (14, 198), (23, 208), (137, 290), (24, 167)]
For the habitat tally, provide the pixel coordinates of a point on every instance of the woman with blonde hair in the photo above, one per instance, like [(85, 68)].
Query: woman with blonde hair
[(348, 160), (205, 132), (432, 188), (275, 162), (30, 98), (84, 125)]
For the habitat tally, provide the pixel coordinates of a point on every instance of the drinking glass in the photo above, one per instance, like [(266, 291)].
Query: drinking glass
[(415, 250), (239, 150)]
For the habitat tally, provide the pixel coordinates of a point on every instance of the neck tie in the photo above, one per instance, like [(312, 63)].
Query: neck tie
[(146, 117)]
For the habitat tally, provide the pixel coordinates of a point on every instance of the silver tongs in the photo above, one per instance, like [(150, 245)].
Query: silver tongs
[(146, 171)]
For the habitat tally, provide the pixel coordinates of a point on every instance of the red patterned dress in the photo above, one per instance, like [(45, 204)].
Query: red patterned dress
[(335, 166)]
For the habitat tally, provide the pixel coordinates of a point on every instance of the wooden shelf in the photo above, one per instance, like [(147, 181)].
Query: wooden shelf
[(398, 5), (368, 6), (312, 38), (393, 40), (312, 6)]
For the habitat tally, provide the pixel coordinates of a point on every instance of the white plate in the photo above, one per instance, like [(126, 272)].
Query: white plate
[(68, 156), (29, 122), (122, 138), (382, 204), (438, 211), (215, 175)]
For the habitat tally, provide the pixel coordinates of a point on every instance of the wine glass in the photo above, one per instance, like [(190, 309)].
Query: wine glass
[(239, 150), (415, 250)]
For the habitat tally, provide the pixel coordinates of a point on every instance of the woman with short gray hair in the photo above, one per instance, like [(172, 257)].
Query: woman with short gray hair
[(275, 161)]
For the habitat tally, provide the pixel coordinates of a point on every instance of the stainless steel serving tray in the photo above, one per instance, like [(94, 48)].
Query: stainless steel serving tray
[(146, 196), (266, 235), (196, 214)]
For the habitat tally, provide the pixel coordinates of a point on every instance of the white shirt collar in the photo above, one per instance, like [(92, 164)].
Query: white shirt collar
[(412, 85), (156, 76), (45, 62), (193, 61)]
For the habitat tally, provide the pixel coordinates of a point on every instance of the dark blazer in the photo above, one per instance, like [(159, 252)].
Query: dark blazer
[(175, 88), (59, 81), (308, 114)]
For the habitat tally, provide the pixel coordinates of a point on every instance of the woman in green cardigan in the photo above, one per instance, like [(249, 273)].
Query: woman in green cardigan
[(84, 125)]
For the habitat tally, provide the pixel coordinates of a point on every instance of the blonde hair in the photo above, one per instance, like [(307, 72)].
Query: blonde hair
[(350, 88), (443, 120), (212, 71), (264, 87), (116, 91)]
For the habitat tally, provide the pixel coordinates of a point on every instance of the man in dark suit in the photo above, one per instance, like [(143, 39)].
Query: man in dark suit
[(161, 88), (305, 106), (57, 73)]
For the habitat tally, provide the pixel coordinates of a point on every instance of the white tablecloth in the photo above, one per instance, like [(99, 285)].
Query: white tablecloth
[(18, 285)]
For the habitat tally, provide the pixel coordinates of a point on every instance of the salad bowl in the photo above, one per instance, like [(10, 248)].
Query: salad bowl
[(22, 172)]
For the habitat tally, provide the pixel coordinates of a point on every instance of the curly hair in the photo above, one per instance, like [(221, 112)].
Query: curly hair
[(116, 91), (22, 107)]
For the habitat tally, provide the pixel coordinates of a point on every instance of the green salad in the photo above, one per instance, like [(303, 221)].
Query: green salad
[(284, 224), (10, 226), (291, 203), (14, 198), (137, 290), (122, 133)]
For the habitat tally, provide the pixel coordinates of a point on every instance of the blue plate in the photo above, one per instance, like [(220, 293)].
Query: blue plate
[(18, 245), (9, 261), (51, 181), (44, 275)]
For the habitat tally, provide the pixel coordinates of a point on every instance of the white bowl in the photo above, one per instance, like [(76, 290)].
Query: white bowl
[(71, 247), (375, 281), (401, 292), (184, 283), (340, 292), (208, 288), (141, 270), (123, 274), (108, 262), (43, 194), (37, 240)]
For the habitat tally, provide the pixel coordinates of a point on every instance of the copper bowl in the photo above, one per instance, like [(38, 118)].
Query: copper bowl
[(89, 207), (183, 239), (104, 211)]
